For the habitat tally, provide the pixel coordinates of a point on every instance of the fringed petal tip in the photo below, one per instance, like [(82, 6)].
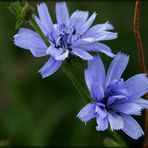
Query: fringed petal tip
[(42, 4), (137, 85), (81, 119), (109, 26), (87, 113), (50, 67), (131, 127)]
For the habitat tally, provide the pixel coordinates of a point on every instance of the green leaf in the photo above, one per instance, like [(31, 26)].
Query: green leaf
[(23, 12)]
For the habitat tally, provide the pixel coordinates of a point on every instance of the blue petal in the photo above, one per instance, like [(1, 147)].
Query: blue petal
[(114, 99), (101, 111), (106, 35), (45, 16), (78, 18), (99, 33), (102, 36), (128, 108), (54, 52), (63, 56), (116, 121), (42, 26), (137, 85), (30, 40), (141, 102), (131, 127), (80, 43), (92, 46), (95, 76), (93, 31), (102, 124), (38, 52), (62, 13), (50, 67), (117, 67), (87, 113), (89, 39), (82, 54), (97, 91), (86, 26), (104, 49)]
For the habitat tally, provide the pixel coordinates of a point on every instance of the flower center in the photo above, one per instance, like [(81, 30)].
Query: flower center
[(63, 40), (114, 94), (64, 37)]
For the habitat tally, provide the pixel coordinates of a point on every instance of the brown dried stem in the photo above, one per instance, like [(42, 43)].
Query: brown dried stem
[(141, 58), (138, 37)]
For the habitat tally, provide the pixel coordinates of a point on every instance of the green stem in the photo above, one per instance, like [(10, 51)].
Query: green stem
[(76, 84), (117, 137), (38, 30), (71, 77)]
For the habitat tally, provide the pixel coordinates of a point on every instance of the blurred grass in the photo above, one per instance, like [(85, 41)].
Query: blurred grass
[(42, 112)]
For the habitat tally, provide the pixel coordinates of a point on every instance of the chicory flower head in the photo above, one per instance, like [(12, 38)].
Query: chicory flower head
[(115, 100), (70, 35)]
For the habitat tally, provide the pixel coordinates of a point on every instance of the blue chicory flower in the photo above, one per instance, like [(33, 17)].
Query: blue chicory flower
[(70, 35), (115, 100)]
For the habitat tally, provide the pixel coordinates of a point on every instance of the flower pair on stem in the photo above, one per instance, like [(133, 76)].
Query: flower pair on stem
[(115, 100)]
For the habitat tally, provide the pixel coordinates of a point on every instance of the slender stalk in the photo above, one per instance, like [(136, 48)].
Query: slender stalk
[(76, 84), (141, 59), (138, 37), (38, 29), (117, 137)]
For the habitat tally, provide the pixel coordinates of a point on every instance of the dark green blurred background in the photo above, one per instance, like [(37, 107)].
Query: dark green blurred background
[(42, 112)]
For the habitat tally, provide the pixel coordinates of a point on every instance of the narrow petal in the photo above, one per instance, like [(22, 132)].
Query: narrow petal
[(62, 13), (95, 76), (78, 18), (50, 67), (99, 32), (141, 102), (89, 39), (117, 67), (106, 35), (95, 72), (55, 52), (104, 49), (86, 26), (30, 40), (131, 127), (137, 85), (38, 52), (101, 36), (101, 111), (80, 43), (42, 26), (116, 121), (45, 16), (92, 46), (97, 91), (116, 99), (128, 108), (49, 63), (93, 31), (63, 56), (27, 38), (102, 124), (82, 54), (87, 113)]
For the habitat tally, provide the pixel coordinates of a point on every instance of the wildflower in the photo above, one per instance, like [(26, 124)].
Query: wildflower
[(115, 100), (70, 35)]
